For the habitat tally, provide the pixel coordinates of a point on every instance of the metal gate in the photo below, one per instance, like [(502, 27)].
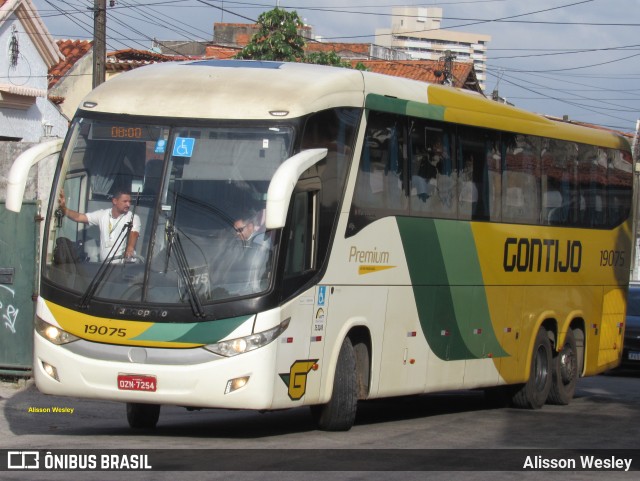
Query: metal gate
[(18, 247)]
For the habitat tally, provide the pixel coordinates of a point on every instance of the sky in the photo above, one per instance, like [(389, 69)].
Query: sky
[(579, 58)]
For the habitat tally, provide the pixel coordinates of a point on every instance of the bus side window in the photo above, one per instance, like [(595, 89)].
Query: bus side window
[(619, 182), (521, 180), (432, 188), (381, 185)]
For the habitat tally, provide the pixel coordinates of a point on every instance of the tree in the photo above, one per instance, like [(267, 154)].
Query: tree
[(326, 58), (331, 58), (277, 38)]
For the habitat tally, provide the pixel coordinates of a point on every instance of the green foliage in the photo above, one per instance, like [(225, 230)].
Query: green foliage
[(326, 58), (277, 38)]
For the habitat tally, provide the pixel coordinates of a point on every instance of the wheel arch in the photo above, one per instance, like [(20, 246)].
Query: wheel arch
[(548, 321), (575, 322), (360, 335), (579, 328), (556, 335)]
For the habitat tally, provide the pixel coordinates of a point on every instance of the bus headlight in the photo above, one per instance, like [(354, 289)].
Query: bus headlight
[(52, 333), (240, 345)]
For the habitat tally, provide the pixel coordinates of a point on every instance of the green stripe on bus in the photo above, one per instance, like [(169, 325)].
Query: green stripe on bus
[(404, 107), (448, 288), (194, 332)]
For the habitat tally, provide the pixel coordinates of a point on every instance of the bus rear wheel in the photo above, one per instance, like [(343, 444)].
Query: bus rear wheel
[(339, 413), (143, 416), (533, 394), (565, 372)]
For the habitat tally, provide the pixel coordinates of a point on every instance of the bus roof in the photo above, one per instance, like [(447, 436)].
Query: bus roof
[(241, 89), (229, 89), (470, 108)]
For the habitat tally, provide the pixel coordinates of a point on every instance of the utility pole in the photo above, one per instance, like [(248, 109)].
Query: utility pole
[(447, 71), (99, 41), (448, 67)]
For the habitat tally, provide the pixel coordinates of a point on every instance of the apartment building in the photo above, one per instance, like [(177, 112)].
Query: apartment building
[(417, 32)]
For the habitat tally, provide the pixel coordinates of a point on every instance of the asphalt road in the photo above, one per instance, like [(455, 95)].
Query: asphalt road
[(392, 438)]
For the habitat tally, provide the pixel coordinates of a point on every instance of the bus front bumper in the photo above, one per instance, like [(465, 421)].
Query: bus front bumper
[(245, 381)]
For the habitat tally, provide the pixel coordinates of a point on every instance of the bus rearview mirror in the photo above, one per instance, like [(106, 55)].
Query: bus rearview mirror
[(284, 181)]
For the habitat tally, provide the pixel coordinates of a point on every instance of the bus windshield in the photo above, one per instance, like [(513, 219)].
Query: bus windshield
[(166, 214)]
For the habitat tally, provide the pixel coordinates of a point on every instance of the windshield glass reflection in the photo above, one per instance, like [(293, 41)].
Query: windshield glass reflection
[(193, 231)]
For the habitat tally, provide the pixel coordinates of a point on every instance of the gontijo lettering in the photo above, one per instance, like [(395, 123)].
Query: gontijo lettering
[(542, 255)]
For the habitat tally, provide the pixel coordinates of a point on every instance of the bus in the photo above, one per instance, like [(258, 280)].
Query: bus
[(416, 238)]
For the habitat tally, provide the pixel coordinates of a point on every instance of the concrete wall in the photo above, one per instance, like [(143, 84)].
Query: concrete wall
[(40, 176)]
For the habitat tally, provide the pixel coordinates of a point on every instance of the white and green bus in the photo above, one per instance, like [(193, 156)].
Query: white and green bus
[(414, 238)]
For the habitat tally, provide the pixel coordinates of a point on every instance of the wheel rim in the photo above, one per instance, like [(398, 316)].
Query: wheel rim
[(567, 365), (541, 368)]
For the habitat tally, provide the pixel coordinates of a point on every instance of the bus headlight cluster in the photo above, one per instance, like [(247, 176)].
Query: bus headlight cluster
[(52, 333), (240, 345)]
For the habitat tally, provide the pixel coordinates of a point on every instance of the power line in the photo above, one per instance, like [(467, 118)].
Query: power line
[(550, 96), (151, 13), (565, 52), (579, 67)]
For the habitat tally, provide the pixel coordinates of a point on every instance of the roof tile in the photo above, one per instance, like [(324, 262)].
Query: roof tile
[(72, 50), (423, 70)]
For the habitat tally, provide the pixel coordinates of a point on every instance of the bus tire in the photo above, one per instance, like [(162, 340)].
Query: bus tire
[(564, 372), (143, 416), (339, 413), (533, 394)]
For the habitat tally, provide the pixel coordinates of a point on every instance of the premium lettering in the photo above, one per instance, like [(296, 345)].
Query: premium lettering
[(368, 257), (542, 255)]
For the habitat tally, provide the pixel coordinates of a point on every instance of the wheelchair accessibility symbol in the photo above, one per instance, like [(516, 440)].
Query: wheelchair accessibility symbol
[(183, 147)]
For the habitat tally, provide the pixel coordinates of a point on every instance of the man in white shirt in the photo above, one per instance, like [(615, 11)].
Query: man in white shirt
[(111, 222)]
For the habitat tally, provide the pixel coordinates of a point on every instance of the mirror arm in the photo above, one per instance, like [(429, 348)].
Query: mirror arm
[(284, 181)]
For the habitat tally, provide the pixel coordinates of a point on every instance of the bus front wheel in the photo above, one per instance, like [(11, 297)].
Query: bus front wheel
[(533, 394), (143, 416), (565, 372), (339, 413)]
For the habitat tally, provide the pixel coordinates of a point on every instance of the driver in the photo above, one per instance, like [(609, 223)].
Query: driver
[(110, 221), (251, 232)]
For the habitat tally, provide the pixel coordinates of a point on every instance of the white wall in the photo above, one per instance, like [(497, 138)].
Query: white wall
[(30, 72)]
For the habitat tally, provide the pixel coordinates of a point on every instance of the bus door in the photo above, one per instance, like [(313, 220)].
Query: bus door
[(308, 309)]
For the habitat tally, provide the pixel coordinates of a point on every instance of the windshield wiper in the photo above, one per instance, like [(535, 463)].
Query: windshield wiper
[(174, 243), (104, 266)]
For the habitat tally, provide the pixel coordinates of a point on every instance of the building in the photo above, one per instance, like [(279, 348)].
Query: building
[(26, 114), (416, 31), (71, 78), (461, 75)]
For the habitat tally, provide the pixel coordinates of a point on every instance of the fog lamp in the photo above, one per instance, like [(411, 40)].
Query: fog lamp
[(50, 370), (235, 384)]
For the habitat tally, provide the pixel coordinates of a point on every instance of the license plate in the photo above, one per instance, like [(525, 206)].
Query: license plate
[(633, 356), (136, 382)]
